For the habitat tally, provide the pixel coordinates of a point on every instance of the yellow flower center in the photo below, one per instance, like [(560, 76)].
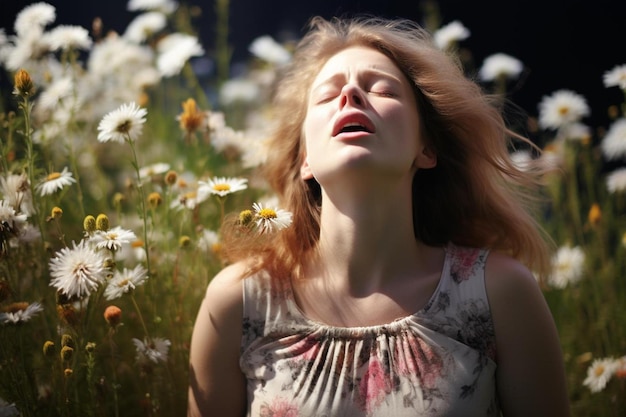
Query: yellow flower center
[(112, 236), (599, 370), (53, 176), (267, 213), (122, 283), (221, 187), (563, 110)]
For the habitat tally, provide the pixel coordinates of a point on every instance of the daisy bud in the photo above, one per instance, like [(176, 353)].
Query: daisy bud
[(595, 215), (68, 314), (67, 340), (246, 217), (90, 347), (113, 315), (102, 222), (171, 177), (49, 350), (68, 372), (155, 199), (184, 242), (23, 84), (56, 213), (67, 353), (191, 118), (89, 224), (118, 199)]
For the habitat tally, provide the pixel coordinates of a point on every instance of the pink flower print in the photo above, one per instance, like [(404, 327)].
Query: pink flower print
[(416, 359), (464, 263), (280, 407), (374, 385)]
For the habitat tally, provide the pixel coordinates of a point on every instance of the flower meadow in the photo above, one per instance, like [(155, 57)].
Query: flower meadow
[(120, 160)]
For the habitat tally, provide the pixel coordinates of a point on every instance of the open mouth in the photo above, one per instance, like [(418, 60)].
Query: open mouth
[(354, 127), (353, 123)]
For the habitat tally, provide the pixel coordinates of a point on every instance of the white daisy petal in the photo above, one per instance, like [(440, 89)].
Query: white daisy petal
[(599, 374), (561, 108), (613, 144), (567, 266), (152, 350), (125, 281), (615, 77), (20, 313), (270, 219), (77, 271), (124, 123), (55, 181), (222, 186), (500, 65)]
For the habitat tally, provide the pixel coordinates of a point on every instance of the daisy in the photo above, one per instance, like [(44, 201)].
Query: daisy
[(154, 350), (124, 123), (190, 198), (174, 51), (269, 219), (448, 35), (112, 239), (154, 169), (15, 189), (166, 6), (561, 108), (209, 241), (34, 17), (144, 26), (222, 186), (500, 65), (522, 160), (54, 93), (616, 77), (574, 132), (567, 266), (125, 281), (9, 217), (267, 49), (599, 374), (239, 90), (77, 271), (55, 181), (66, 37), (614, 142), (20, 312), (616, 180)]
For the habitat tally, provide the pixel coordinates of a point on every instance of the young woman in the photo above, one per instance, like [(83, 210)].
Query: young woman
[(403, 286)]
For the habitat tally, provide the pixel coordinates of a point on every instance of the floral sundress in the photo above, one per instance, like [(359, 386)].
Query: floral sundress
[(436, 362)]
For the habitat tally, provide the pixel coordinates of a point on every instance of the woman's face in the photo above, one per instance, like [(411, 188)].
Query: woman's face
[(362, 114)]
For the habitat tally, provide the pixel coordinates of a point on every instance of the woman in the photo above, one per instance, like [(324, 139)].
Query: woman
[(403, 286)]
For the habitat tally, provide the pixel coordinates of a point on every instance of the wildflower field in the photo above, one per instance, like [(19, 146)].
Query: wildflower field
[(119, 161)]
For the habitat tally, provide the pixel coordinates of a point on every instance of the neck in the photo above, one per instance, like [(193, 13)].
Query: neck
[(367, 238)]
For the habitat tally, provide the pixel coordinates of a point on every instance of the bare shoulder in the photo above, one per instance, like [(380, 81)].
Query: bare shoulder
[(530, 372), (215, 344), (506, 277)]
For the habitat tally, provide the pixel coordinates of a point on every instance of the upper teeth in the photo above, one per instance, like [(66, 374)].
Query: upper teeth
[(352, 124)]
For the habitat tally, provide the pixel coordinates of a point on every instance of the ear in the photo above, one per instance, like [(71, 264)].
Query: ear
[(426, 159), (305, 170)]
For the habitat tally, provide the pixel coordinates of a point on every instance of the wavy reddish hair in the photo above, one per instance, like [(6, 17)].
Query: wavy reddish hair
[(475, 196)]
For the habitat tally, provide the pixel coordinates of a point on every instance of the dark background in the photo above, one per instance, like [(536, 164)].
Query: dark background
[(563, 44)]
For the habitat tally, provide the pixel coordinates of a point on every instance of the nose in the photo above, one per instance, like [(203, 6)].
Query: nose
[(351, 95)]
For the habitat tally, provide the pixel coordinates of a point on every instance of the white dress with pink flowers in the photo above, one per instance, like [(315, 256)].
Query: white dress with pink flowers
[(436, 362)]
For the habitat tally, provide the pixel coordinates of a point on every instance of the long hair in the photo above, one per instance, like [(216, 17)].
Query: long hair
[(475, 196)]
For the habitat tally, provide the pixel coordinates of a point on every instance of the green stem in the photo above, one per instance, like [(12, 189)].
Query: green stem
[(223, 51)]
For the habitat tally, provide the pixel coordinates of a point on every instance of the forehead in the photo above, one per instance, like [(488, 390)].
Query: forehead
[(358, 58)]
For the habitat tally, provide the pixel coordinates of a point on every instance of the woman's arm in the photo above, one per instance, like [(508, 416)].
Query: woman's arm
[(217, 386), (530, 373)]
